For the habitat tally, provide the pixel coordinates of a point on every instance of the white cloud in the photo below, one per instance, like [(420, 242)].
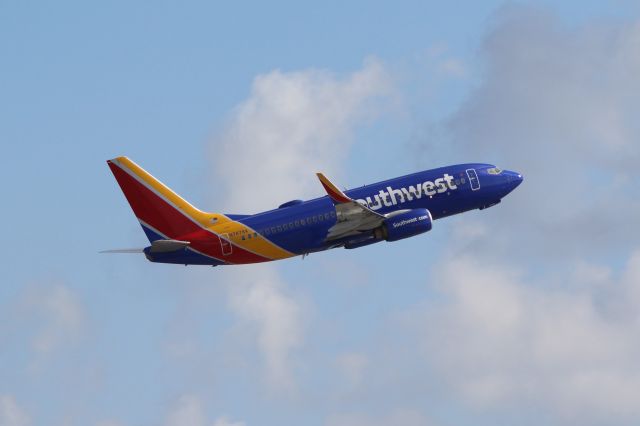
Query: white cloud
[(293, 125), (631, 279), (453, 67), (352, 366), (224, 421), (109, 423), (189, 410), (550, 89), (258, 296), (404, 417), (525, 319), (48, 315), (11, 414), (62, 316), (559, 104), (502, 339)]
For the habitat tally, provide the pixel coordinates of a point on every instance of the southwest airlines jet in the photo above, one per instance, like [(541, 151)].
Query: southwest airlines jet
[(390, 210)]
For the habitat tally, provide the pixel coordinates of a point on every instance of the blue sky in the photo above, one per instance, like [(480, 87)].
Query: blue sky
[(524, 313)]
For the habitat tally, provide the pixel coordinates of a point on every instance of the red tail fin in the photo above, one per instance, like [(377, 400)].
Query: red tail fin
[(162, 213)]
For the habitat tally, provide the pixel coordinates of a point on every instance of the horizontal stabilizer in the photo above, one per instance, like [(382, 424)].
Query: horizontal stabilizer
[(129, 250), (164, 246), (158, 246)]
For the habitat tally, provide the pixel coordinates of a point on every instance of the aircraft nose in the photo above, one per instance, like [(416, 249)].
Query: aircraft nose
[(513, 179)]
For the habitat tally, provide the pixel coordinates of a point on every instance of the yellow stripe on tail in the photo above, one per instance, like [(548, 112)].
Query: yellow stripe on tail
[(203, 218)]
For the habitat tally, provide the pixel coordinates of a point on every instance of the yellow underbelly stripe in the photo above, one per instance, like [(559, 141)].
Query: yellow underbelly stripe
[(248, 239)]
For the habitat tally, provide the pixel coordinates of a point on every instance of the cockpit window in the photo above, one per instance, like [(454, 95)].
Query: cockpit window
[(494, 171)]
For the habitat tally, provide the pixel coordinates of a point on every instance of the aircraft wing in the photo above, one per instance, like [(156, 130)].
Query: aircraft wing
[(353, 217)]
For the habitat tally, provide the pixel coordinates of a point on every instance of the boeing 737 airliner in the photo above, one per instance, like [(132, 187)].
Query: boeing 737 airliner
[(390, 210)]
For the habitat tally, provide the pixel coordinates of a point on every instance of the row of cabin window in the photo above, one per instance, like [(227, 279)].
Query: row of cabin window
[(299, 223), (309, 220)]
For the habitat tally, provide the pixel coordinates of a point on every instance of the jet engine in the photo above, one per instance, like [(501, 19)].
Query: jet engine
[(404, 224)]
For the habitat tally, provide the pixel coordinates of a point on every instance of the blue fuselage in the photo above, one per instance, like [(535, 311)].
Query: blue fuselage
[(301, 226)]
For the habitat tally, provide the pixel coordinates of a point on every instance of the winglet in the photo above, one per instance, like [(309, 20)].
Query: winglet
[(333, 191)]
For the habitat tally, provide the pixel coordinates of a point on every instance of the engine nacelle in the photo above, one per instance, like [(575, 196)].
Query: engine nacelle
[(405, 225)]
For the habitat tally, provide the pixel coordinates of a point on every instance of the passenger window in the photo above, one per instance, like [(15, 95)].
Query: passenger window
[(327, 216), (290, 225), (273, 229), (284, 227), (315, 219), (279, 228), (297, 223)]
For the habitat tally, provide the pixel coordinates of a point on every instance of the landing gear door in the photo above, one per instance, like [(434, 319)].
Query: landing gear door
[(473, 179)]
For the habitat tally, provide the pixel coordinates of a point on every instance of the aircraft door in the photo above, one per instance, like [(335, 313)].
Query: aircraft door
[(473, 179), (227, 247)]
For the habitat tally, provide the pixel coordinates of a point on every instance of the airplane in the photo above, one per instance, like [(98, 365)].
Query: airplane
[(390, 210)]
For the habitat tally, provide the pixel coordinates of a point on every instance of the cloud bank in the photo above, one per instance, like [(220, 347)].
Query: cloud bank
[(502, 339), (11, 414), (190, 410), (292, 124), (560, 104), (538, 299)]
